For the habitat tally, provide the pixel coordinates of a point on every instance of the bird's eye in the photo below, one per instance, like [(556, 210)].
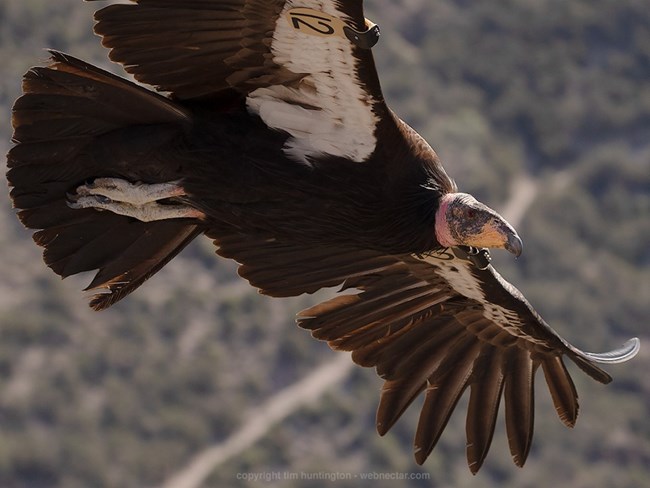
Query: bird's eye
[(471, 213)]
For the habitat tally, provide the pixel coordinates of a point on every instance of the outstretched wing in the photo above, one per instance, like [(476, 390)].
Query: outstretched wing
[(438, 324), (304, 67)]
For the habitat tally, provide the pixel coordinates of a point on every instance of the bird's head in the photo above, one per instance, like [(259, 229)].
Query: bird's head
[(461, 220)]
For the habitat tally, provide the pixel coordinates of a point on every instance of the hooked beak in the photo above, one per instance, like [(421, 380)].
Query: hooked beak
[(463, 221), (514, 245), (510, 240)]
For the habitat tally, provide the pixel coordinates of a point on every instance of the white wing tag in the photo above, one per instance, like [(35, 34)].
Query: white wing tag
[(315, 23)]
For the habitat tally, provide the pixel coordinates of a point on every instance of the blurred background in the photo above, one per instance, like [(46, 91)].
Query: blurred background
[(541, 108)]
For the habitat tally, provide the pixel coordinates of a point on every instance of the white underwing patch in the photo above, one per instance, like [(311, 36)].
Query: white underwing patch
[(459, 276), (328, 111), (458, 273)]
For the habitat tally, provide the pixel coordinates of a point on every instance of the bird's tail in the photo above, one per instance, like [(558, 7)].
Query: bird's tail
[(75, 123)]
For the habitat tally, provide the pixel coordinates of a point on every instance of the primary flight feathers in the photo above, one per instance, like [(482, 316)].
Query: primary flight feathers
[(271, 136)]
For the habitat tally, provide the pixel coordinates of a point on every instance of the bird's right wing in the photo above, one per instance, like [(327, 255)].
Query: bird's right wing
[(304, 67), (437, 324)]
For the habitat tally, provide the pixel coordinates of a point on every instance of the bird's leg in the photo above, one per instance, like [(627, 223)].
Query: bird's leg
[(137, 200), (120, 190)]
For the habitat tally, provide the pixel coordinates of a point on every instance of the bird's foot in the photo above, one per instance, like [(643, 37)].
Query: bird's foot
[(120, 190), (136, 200)]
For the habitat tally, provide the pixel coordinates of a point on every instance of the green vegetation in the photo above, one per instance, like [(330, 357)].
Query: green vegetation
[(556, 89)]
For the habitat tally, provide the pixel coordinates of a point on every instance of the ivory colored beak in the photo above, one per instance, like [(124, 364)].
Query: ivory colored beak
[(514, 245)]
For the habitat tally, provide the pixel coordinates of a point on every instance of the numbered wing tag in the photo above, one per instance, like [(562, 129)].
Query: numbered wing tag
[(317, 23), (478, 257)]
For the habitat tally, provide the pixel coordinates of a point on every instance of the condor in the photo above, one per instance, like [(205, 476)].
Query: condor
[(267, 131)]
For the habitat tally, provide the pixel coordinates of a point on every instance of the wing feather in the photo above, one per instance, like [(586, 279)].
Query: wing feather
[(485, 395), (444, 390), (401, 387), (520, 404), (169, 44), (563, 391)]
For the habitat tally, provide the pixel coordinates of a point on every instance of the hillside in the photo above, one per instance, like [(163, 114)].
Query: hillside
[(551, 93)]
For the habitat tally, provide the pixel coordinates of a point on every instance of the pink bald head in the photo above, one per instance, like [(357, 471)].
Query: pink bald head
[(463, 221)]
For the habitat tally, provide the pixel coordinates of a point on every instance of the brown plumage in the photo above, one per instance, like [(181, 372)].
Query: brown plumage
[(277, 144)]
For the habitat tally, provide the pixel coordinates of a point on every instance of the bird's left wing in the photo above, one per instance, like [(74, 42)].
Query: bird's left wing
[(304, 67), (437, 324)]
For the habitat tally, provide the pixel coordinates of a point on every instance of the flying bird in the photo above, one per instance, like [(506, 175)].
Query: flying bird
[(267, 131)]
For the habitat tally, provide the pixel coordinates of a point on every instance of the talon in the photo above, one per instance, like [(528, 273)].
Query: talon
[(85, 189), (102, 199), (84, 202), (90, 201)]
